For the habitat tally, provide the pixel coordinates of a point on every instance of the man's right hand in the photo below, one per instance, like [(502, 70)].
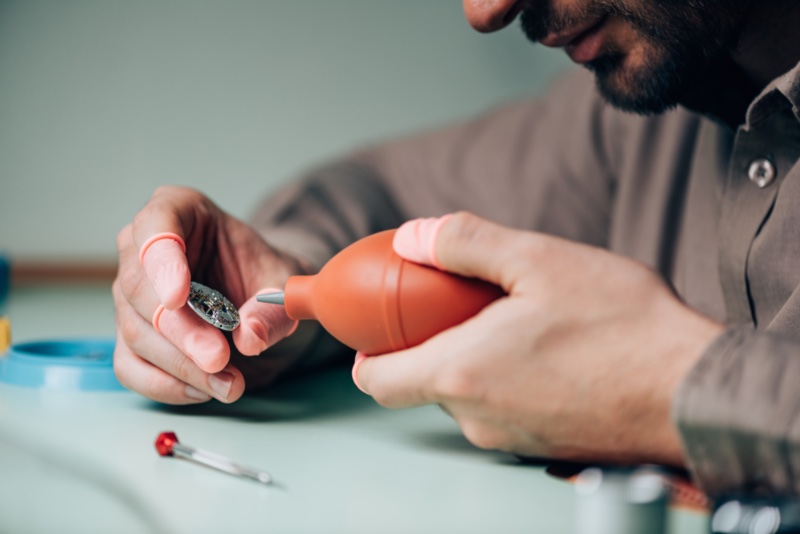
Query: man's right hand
[(185, 360)]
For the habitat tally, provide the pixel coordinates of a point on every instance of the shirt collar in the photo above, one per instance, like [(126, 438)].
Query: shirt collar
[(785, 88), (789, 85)]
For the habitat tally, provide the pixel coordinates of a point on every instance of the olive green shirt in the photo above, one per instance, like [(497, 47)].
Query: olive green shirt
[(716, 211)]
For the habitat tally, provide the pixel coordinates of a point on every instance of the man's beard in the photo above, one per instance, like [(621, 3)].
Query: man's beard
[(685, 45)]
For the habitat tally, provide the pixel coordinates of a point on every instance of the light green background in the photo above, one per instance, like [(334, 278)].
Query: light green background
[(102, 101)]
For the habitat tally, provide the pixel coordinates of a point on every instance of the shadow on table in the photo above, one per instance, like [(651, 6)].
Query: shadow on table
[(330, 392), (453, 442), (314, 396)]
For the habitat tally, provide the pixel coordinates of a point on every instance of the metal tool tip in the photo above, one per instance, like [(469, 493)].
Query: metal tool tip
[(271, 298)]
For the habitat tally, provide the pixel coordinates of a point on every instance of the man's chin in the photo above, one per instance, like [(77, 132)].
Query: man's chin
[(645, 91)]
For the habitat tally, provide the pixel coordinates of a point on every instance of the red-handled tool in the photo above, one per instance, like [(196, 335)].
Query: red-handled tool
[(167, 445)]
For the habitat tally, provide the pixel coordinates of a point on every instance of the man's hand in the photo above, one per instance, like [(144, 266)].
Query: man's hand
[(186, 360), (580, 361)]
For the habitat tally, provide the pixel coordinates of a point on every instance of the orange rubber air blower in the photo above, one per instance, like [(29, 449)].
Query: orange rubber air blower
[(374, 301)]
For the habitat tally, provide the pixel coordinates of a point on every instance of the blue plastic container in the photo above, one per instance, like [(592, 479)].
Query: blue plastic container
[(72, 364)]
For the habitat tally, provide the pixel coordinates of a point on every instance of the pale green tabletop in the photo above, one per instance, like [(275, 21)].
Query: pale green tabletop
[(85, 462)]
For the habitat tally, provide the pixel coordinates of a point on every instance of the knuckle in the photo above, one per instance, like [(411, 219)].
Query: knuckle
[(529, 250), (129, 330), (170, 189), (456, 383), (158, 386), (385, 392), (382, 400), (142, 216), (116, 291), (379, 395), (125, 238), (184, 368), (477, 233), (164, 190), (130, 326), (532, 247), (151, 383), (130, 282), (121, 368), (482, 435), (177, 191), (469, 227)]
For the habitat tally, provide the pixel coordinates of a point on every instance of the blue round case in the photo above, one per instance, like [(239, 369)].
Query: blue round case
[(70, 364)]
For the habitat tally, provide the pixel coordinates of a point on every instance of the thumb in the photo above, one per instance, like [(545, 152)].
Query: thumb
[(261, 325), (459, 243)]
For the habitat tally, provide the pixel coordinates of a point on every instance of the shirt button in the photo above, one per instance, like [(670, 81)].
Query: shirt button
[(761, 172)]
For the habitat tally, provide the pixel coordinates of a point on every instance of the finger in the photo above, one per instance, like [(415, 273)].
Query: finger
[(360, 357), (203, 343), (131, 282), (399, 379), (463, 244), (151, 355), (182, 328), (146, 379), (159, 234), (442, 370), (165, 263), (141, 376), (416, 240), (261, 325)]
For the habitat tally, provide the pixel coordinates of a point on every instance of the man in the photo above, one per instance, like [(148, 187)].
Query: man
[(650, 259)]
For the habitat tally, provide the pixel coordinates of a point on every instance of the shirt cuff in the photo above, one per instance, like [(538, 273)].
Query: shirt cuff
[(737, 413)]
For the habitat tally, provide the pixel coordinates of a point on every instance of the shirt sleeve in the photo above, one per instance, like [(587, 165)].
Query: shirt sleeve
[(537, 164), (737, 412)]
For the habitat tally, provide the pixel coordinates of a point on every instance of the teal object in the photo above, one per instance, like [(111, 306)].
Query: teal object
[(5, 281), (72, 364)]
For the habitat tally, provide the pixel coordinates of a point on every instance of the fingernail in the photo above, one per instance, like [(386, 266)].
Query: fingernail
[(360, 357), (415, 240), (194, 393), (221, 383), (264, 324)]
